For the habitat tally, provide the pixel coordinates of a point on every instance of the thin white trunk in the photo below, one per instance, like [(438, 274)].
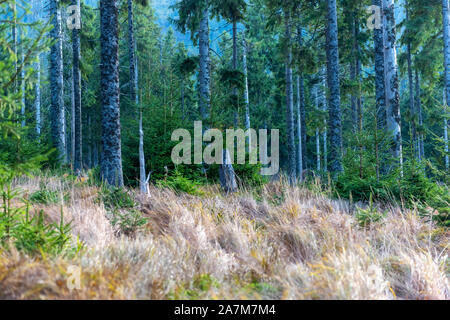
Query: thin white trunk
[(22, 85), (316, 98), (299, 134), (246, 95), (38, 96), (392, 84), (325, 132), (446, 23), (142, 174), (447, 163)]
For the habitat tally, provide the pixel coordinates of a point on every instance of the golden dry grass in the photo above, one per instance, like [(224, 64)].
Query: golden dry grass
[(291, 244)]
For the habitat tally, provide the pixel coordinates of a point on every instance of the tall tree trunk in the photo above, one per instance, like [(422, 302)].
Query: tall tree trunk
[(22, 86), (317, 94), (446, 157), (14, 39), (246, 94), (111, 162), (380, 89), (446, 23), (412, 108), (325, 131), (380, 72), (132, 55), (290, 103), (142, 174), (419, 111), (392, 84), (57, 115), (37, 103), (359, 100), (204, 75), (235, 94), (183, 103), (78, 147), (334, 104), (300, 111), (72, 126), (299, 132)]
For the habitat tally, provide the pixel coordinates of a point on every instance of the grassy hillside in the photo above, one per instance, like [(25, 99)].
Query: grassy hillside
[(272, 243)]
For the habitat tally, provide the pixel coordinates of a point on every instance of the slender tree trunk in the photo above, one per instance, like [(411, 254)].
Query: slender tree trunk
[(334, 104), (132, 55), (419, 111), (446, 23), (142, 173), (37, 102), (182, 88), (204, 75), (317, 93), (392, 84), (111, 162), (246, 95), (380, 72), (72, 127), (325, 131), (22, 87), (380, 89), (446, 157), (300, 111), (290, 103), (299, 132), (235, 94), (57, 115), (78, 144), (412, 108), (14, 39)]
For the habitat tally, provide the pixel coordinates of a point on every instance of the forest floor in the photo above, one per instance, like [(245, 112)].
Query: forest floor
[(275, 242)]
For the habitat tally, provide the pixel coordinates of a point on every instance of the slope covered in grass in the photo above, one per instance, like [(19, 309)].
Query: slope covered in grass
[(272, 243)]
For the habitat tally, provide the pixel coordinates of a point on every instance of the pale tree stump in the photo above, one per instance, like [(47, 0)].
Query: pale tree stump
[(226, 174)]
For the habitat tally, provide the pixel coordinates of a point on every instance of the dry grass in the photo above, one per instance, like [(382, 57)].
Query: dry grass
[(291, 244)]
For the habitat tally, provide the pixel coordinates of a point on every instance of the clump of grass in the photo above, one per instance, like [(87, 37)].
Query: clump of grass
[(369, 216), (46, 197), (301, 246), (180, 184)]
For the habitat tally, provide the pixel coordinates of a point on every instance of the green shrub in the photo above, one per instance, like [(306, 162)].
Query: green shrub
[(179, 183), (117, 198), (366, 217), (31, 234), (46, 197), (129, 222)]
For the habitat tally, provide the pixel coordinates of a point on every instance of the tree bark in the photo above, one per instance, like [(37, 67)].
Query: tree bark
[(290, 103), (334, 104), (204, 75), (325, 133), (392, 84), (78, 149), (300, 110), (299, 132), (57, 115), (227, 175), (412, 108), (446, 23), (22, 87), (419, 111), (37, 103), (132, 55), (317, 93), (111, 160), (235, 94), (379, 71), (246, 94)]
